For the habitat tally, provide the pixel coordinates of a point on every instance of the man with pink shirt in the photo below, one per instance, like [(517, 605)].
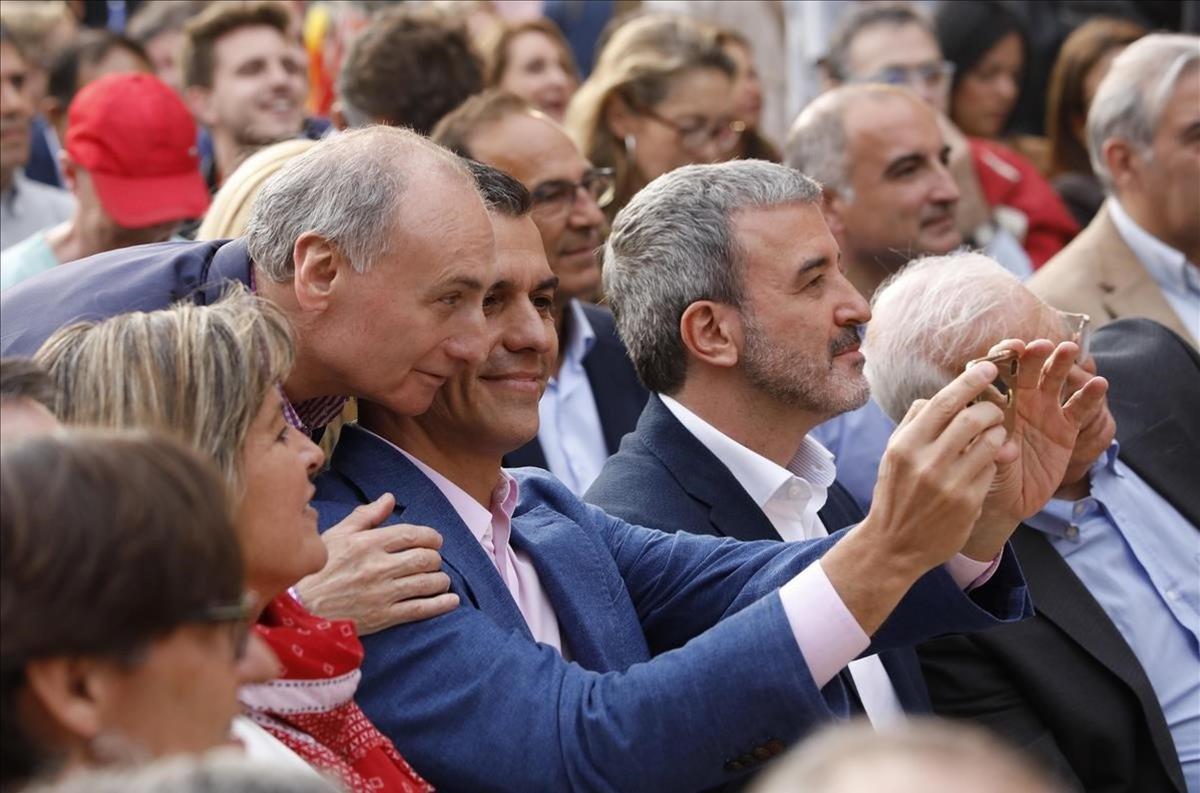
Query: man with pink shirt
[(593, 654)]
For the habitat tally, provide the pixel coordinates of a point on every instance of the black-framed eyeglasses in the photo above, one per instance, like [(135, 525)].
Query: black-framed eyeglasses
[(235, 615), (723, 133), (560, 195), (933, 75)]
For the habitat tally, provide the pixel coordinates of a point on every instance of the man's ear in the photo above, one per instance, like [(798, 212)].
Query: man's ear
[(318, 266), (67, 166), (337, 117), (199, 101), (833, 208), (1122, 160), (712, 333), (70, 693)]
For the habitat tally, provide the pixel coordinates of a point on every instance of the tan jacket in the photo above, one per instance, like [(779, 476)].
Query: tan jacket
[(1098, 274)]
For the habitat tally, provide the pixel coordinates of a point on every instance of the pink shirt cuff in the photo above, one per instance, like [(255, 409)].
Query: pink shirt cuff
[(826, 632), (970, 574)]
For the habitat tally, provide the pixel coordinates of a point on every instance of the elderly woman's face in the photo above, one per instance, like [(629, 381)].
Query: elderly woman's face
[(691, 125), (278, 528)]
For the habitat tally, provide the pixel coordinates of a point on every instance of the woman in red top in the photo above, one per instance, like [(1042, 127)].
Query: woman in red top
[(209, 375)]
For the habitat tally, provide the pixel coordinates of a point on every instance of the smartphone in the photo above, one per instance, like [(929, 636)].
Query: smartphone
[(1002, 392)]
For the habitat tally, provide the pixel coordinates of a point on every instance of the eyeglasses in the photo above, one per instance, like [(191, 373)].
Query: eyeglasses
[(558, 196), (1078, 328), (724, 134), (933, 76), (236, 615)]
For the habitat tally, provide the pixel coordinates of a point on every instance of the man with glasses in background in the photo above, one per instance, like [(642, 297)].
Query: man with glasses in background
[(1004, 206), (593, 397)]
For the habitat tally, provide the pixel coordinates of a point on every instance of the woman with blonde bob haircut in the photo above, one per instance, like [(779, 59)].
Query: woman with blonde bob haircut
[(660, 97), (210, 375)]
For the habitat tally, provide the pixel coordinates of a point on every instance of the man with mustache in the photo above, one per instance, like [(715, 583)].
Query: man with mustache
[(747, 338), (592, 654), (594, 397), (888, 196)]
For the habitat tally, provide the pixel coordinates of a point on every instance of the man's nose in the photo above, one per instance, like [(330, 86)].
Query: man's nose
[(469, 344)]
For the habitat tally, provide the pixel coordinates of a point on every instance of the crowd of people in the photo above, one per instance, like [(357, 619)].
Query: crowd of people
[(483, 396)]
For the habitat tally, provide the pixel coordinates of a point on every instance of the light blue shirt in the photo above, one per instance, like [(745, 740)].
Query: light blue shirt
[(27, 207), (857, 440), (569, 430), (26, 259), (1140, 559), (1178, 278)]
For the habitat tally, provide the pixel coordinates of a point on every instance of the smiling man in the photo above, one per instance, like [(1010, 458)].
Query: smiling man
[(594, 397), (245, 81), (582, 635)]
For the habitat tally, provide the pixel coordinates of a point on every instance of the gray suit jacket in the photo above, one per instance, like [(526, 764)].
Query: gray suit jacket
[(1097, 274)]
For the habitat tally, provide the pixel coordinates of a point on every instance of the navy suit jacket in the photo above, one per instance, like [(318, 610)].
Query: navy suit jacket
[(663, 476), (615, 386), (142, 278), (684, 672)]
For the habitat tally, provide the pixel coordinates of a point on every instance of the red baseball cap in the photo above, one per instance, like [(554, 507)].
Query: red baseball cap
[(137, 141)]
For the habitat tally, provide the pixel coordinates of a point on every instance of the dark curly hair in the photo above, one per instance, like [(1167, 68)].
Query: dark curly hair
[(408, 68)]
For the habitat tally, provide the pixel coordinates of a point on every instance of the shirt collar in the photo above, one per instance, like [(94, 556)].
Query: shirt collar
[(1058, 514), (477, 518), (1168, 267), (759, 477), (581, 337)]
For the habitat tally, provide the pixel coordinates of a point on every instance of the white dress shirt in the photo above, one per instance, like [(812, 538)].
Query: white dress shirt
[(569, 428), (790, 498), (1178, 278)]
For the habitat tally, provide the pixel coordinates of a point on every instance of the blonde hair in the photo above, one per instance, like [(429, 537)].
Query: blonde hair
[(230, 209), (637, 65), (198, 373)]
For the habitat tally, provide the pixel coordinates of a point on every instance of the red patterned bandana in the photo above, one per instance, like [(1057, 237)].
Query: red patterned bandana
[(311, 708)]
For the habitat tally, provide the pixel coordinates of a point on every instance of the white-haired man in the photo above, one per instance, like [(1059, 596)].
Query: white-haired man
[(1140, 256), (1110, 560)]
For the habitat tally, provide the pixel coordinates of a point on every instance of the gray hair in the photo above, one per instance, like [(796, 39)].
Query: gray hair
[(674, 244), (929, 319), (836, 61), (348, 189), (816, 144), (1132, 96)]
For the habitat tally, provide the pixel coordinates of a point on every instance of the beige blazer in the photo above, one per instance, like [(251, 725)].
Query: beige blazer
[(1098, 274)]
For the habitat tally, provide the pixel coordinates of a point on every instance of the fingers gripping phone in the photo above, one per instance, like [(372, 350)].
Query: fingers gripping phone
[(1002, 392)]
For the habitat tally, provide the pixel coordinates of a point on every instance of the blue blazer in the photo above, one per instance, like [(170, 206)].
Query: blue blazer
[(683, 674), (142, 278), (619, 394), (663, 476)]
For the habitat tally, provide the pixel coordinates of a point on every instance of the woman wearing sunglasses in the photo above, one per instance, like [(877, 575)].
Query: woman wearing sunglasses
[(209, 375)]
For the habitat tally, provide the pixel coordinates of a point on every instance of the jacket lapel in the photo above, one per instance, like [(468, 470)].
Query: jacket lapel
[(1062, 599), (705, 478), (375, 468), (573, 575), (1129, 290)]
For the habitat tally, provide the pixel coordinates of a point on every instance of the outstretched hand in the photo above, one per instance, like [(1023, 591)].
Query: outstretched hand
[(1042, 441)]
